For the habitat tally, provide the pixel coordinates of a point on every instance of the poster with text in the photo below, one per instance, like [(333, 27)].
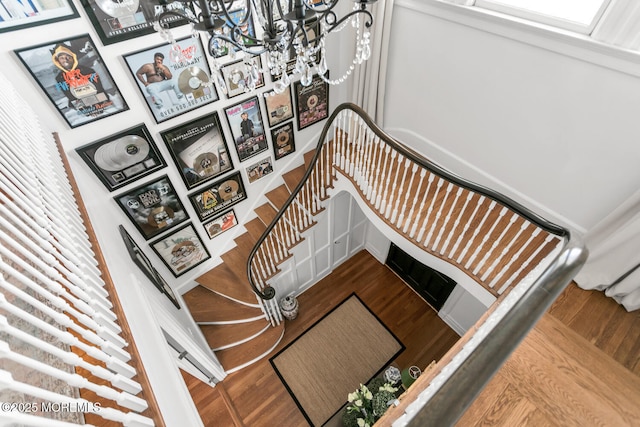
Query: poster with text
[(19, 14), (218, 196), (312, 102), (245, 122), (182, 250)]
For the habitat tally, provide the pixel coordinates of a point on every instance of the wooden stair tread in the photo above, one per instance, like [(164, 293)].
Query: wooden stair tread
[(255, 228), (307, 158), (266, 213), (239, 355), (224, 279), (278, 196), (293, 177), (208, 306), (223, 335)]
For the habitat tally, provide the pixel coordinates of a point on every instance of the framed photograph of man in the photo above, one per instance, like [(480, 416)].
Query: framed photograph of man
[(312, 102), (123, 158), (259, 169), (218, 196), (282, 138), (221, 223), (199, 150), (173, 79), (74, 77), (122, 20), (279, 107), (144, 264), (242, 76), (17, 14), (181, 250), (153, 207), (245, 122)]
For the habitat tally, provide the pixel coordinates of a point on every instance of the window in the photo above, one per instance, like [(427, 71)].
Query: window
[(576, 15)]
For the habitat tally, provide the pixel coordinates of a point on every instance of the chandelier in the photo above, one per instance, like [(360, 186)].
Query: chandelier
[(291, 33)]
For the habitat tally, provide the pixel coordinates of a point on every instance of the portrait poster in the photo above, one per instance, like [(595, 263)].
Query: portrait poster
[(221, 223), (312, 102), (74, 77), (218, 196), (279, 107), (19, 14), (242, 76), (116, 21), (181, 250), (245, 122), (173, 79), (143, 263), (123, 158), (283, 140), (199, 150), (153, 207), (259, 169)]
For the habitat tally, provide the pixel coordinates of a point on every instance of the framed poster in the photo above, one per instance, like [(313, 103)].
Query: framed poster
[(221, 223), (16, 15), (122, 158), (283, 140), (279, 107), (237, 15), (218, 196), (240, 76), (245, 122), (153, 207), (181, 250), (143, 263), (122, 20), (312, 102), (74, 77), (199, 150), (259, 169), (173, 79)]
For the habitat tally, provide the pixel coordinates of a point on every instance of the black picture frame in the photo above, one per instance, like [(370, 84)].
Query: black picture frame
[(32, 14), (143, 263), (219, 196), (199, 150), (182, 250), (153, 207), (279, 107), (235, 75), (186, 84), (123, 20), (283, 140), (221, 223), (259, 169), (237, 15), (84, 92), (247, 144), (123, 158), (312, 101)]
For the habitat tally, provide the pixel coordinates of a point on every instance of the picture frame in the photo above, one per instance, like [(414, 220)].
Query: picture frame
[(199, 150), (247, 128), (283, 140), (236, 75), (143, 263), (123, 157), (75, 79), (279, 107), (218, 196), (123, 20), (182, 250), (259, 169), (221, 223), (312, 102), (173, 79), (153, 207), (32, 14), (237, 15)]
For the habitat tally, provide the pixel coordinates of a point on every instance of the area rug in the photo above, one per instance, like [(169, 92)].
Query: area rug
[(344, 349)]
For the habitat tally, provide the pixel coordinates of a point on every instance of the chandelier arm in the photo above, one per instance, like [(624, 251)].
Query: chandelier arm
[(334, 24), (259, 49), (170, 13)]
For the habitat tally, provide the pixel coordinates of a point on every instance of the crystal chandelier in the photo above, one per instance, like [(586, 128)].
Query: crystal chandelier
[(291, 33)]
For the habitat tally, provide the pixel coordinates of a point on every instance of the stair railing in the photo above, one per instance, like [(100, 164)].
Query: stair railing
[(511, 251)]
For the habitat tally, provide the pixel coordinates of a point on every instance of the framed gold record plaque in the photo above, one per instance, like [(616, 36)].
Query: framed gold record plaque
[(218, 196), (153, 207), (123, 158), (181, 250), (312, 101), (199, 150), (283, 140), (173, 79), (279, 106)]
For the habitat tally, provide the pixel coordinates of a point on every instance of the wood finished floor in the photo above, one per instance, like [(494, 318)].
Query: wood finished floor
[(581, 326)]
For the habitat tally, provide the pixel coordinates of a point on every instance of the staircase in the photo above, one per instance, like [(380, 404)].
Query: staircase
[(223, 304)]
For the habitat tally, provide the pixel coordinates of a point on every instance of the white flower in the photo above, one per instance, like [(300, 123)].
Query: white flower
[(352, 396), (358, 402)]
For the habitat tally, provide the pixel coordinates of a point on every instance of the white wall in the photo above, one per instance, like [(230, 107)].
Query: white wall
[(556, 133)]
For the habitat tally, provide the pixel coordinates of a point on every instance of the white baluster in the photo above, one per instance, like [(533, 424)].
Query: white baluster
[(427, 217), (414, 169), (447, 219), (485, 238), (476, 231), (394, 213)]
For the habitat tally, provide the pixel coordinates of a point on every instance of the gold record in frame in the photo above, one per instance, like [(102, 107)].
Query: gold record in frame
[(228, 189), (121, 153), (192, 80), (205, 163), (159, 217)]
